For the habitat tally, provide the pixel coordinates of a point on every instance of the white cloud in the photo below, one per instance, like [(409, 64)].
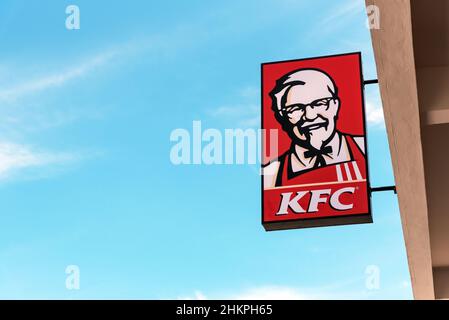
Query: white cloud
[(406, 284), (341, 12), (15, 157), (251, 122), (56, 79), (333, 20), (350, 289), (373, 106), (273, 293), (258, 293), (21, 117), (374, 113), (237, 110), (197, 295), (244, 113), (250, 92), (167, 43)]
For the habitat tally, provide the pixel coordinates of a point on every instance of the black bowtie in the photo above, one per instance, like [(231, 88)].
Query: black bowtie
[(319, 154)]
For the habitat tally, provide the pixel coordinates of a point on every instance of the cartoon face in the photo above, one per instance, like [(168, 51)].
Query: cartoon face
[(307, 105)]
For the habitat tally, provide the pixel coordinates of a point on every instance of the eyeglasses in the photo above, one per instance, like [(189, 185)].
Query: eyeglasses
[(302, 107)]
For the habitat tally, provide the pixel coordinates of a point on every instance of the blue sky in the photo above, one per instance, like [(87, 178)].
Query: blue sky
[(85, 171)]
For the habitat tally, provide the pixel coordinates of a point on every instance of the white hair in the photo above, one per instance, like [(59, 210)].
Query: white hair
[(300, 77)]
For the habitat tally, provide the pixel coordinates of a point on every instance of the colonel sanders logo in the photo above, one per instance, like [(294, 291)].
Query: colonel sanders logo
[(307, 105)]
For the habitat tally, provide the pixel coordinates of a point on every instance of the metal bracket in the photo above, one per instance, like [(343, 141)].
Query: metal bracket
[(374, 81), (378, 189)]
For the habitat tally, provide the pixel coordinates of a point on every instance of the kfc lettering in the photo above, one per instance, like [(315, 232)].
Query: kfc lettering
[(320, 172), (316, 197)]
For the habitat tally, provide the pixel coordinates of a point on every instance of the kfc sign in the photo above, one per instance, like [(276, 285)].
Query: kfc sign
[(316, 173)]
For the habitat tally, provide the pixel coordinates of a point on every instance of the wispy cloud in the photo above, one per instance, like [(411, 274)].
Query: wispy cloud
[(197, 295), (259, 293), (341, 12), (166, 43), (373, 105), (242, 115), (236, 111), (349, 288), (245, 112), (23, 112), (374, 114), (273, 293), (56, 79), (25, 116), (17, 157), (352, 289), (331, 22)]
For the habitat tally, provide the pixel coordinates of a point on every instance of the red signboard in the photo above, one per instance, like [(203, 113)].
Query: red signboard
[(314, 150)]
